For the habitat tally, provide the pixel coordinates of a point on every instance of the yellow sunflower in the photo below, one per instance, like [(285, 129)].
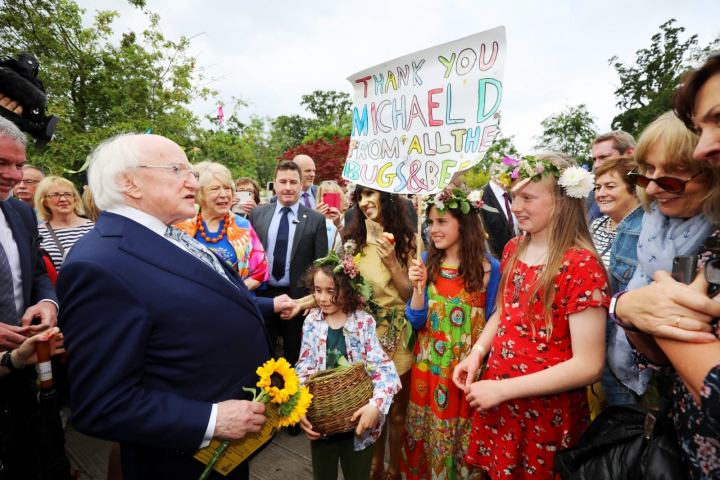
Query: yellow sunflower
[(301, 402), (279, 380)]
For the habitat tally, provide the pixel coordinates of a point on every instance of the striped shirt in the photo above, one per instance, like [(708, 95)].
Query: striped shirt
[(602, 238), (67, 238)]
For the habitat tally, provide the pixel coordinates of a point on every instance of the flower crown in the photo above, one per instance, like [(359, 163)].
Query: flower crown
[(502, 169), (458, 198), (348, 265), (577, 182)]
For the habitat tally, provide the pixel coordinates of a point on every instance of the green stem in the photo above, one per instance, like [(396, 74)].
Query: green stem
[(216, 456)]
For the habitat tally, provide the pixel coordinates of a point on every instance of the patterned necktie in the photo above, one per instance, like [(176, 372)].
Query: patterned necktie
[(281, 244), (306, 197), (198, 250), (511, 223), (8, 310)]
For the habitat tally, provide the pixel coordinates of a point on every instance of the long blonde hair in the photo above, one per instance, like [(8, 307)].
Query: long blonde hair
[(568, 229)]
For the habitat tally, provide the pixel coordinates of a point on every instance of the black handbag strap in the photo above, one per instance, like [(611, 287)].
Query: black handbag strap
[(55, 238)]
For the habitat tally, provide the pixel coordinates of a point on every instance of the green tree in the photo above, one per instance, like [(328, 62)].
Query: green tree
[(100, 88), (330, 108), (647, 88), (569, 132)]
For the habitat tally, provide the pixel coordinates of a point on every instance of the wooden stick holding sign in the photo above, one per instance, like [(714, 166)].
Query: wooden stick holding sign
[(419, 242)]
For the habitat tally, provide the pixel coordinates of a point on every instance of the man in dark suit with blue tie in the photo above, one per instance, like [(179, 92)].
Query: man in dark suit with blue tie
[(26, 294), (293, 236), (161, 335)]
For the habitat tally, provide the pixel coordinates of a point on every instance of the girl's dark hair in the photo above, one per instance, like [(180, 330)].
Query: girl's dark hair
[(345, 295), (472, 251), (690, 85), (396, 220)]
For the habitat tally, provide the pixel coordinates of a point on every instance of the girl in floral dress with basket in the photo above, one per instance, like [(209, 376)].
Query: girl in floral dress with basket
[(449, 314), (545, 341)]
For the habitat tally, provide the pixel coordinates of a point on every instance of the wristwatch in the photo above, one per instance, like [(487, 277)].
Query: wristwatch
[(614, 318), (6, 362)]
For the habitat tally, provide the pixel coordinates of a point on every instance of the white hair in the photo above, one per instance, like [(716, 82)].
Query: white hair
[(9, 130), (107, 163)]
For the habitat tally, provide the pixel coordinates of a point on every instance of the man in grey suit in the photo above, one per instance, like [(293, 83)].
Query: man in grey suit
[(293, 236)]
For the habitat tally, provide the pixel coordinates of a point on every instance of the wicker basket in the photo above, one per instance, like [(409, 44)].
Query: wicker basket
[(337, 395)]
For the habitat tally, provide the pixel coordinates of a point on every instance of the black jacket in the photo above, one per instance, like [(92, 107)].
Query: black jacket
[(496, 224)]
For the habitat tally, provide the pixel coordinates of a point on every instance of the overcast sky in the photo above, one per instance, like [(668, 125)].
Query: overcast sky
[(273, 52)]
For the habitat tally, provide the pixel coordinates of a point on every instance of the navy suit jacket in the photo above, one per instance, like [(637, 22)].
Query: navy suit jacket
[(23, 224), (154, 337)]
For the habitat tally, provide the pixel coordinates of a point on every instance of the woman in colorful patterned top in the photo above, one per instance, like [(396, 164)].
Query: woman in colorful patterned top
[(339, 328), (449, 313), (230, 236), (545, 341)]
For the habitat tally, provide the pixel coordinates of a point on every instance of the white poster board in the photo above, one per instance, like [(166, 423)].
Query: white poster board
[(420, 118)]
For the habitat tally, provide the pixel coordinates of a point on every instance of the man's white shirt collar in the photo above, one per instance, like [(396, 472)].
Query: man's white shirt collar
[(144, 219)]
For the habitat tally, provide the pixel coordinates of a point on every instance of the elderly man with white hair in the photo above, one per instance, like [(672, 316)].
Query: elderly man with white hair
[(161, 335)]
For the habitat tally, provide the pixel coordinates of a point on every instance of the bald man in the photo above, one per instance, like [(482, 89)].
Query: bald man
[(307, 195)]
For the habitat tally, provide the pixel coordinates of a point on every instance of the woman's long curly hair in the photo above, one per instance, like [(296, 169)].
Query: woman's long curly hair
[(345, 296), (471, 253), (395, 219)]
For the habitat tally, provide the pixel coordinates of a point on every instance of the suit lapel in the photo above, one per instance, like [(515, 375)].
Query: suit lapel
[(146, 245), (299, 228), (20, 233)]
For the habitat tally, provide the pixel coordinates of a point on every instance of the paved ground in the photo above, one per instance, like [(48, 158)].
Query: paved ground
[(286, 458)]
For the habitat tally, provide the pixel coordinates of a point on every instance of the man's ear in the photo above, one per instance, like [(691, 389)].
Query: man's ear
[(630, 151), (130, 186)]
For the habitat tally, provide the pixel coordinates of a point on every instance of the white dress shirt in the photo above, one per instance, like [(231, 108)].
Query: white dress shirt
[(500, 194), (157, 226), (272, 237), (11, 250)]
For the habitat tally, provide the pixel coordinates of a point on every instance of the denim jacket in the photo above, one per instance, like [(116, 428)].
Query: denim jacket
[(623, 253), (623, 263)]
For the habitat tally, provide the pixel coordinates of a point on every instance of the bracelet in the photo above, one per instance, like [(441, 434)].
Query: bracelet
[(614, 318), (481, 349)]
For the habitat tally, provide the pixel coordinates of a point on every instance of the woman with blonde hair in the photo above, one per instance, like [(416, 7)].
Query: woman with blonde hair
[(227, 234), (681, 208), (544, 340), (59, 207)]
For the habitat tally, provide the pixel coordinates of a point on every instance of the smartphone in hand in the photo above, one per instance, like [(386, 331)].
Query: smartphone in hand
[(685, 268)]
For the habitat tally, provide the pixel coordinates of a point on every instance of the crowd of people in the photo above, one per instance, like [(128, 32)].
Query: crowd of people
[(551, 283)]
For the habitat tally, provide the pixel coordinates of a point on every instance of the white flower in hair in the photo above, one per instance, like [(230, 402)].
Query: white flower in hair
[(439, 204), (577, 182), (475, 196), (528, 168)]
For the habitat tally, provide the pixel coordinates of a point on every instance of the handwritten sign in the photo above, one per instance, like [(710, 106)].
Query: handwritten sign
[(239, 450), (421, 118)]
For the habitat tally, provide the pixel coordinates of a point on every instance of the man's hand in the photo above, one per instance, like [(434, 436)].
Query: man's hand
[(284, 305), (237, 418), (655, 309), (10, 104), (12, 337), (45, 311), (368, 418), (305, 303)]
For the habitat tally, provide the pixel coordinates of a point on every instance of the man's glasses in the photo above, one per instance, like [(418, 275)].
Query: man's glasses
[(177, 170), (669, 184), (57, 196), (29, 183)]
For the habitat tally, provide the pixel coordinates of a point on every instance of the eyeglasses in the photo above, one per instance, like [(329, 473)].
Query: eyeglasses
[(56, 196), (179, 171), (29, 183), (245, 190), (669, 184)]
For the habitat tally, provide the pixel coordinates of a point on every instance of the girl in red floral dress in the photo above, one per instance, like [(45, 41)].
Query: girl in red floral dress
[(546, 342)]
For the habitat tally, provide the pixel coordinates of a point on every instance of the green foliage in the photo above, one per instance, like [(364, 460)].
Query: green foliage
[(647, 88), (99, 88), (476, 179), (328, 132), (330, 108), (570, 132)]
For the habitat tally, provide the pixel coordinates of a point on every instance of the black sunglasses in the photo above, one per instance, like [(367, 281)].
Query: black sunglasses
[(669, 184)]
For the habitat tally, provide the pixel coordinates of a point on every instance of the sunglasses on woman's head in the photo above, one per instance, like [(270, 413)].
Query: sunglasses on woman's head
[(669, 184)]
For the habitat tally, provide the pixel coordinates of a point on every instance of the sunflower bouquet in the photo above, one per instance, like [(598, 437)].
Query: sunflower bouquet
[(280, 386)]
